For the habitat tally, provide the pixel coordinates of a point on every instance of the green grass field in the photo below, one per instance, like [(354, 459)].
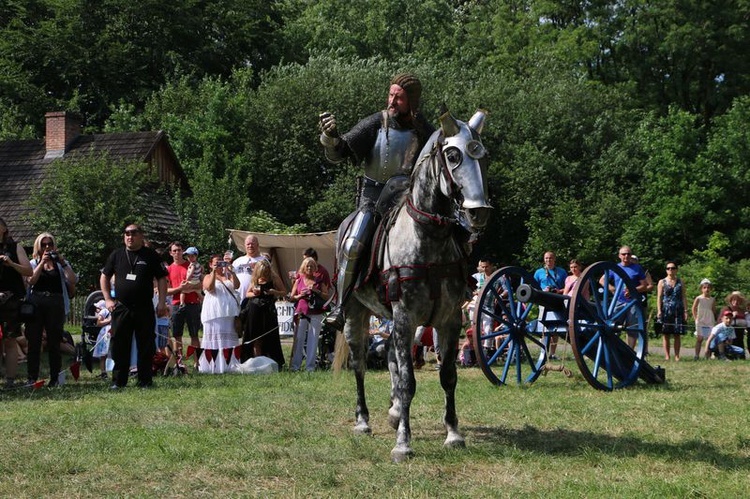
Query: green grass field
[(290, 435)]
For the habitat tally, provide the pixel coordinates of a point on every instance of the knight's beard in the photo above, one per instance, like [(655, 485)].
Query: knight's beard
[(396, 115)]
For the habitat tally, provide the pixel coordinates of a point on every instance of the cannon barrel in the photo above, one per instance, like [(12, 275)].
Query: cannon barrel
[(551, 301)]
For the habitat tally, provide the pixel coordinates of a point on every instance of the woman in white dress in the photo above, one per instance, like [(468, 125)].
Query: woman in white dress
[(221, 305)]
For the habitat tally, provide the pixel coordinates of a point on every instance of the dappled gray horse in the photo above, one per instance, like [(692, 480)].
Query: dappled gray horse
[(425, 272)]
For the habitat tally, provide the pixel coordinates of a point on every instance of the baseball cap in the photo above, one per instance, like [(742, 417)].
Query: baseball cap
[(705, 282), (727, 312), (192, 250)]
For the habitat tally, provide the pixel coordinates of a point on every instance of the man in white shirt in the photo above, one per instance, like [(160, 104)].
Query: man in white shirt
[(485, 269), (243, 266)]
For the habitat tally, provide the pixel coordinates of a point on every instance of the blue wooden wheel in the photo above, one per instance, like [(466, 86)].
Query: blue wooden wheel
[(507, 345), (605, 314)]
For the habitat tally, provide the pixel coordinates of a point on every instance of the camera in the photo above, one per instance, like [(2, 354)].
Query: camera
[(54, 256), (222, 264)]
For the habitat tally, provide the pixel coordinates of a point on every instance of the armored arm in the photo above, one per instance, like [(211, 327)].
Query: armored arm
[(356, 144), (330, 139)]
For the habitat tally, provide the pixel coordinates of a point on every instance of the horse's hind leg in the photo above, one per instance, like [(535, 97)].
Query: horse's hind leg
[(448, 378), (403, 387), (356, 333)]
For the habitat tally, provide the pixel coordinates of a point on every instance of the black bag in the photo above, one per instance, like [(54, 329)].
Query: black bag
[(27, 310), (315, 301), (658, 326)]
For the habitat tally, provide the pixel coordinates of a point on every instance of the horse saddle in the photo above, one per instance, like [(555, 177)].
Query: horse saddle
[(388, 284), (390, 197)]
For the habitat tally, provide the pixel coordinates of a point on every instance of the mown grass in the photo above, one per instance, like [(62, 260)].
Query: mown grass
[(290, 435)]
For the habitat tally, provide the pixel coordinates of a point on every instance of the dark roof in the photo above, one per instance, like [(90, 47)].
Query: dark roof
[(128, 146), (23, 167)]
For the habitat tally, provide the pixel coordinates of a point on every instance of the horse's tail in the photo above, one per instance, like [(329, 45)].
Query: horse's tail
[(340, 353)]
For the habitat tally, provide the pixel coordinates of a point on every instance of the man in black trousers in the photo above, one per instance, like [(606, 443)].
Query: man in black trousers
[(135, 267)]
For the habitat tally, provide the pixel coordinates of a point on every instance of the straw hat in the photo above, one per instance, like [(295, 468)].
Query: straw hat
[(736, 294)]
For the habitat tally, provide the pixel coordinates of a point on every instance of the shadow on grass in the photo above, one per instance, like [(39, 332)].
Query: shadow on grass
[(583, 443)]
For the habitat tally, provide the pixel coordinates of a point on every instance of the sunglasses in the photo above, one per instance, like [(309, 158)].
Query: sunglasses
[(134, 232), (671, 268), (47, 244), (626, 254)]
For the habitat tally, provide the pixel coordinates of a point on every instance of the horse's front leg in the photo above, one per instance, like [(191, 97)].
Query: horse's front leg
[(403, 387), (394, 411), (355, 337), (448, 341)]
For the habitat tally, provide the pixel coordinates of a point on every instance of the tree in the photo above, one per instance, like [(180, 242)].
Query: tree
[(202, 120), (214, 206), (85, 202), (686, 52), (362, 29), (725, 163), (84, 55)]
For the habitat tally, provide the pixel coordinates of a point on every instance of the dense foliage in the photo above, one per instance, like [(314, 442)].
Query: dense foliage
[(86, 204), (610, 121)]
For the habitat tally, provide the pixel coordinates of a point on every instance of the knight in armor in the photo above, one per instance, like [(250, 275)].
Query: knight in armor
[(387, 145)]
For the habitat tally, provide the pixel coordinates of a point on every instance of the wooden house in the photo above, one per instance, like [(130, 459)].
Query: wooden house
[(24, 163)]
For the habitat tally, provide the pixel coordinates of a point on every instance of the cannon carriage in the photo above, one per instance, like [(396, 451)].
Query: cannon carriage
[(602, 321)]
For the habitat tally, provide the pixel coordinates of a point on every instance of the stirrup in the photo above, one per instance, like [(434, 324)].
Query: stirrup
[(335, 319)]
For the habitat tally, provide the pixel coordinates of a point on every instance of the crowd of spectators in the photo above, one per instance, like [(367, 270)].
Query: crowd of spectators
[(181, 293), (149, 298), (670, 319)]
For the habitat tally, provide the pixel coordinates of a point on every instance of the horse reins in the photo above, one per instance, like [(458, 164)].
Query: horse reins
[(423, 217)]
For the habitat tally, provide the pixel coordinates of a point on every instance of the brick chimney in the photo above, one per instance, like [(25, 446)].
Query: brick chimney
[(62, 129)]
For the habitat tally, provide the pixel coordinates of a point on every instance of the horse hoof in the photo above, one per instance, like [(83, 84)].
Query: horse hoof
[(399, 454), (362, 429), (454, 442)]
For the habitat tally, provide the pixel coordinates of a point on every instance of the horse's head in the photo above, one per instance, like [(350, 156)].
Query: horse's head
[(465, 173)]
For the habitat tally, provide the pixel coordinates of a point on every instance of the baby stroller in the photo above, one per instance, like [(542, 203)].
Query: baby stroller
[(89, 330), (326, 346)]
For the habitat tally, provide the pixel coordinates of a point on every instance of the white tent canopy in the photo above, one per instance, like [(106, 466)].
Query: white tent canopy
[(286, 249)]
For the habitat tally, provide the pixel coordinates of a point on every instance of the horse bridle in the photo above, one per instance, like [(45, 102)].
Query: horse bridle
[(425, 218)]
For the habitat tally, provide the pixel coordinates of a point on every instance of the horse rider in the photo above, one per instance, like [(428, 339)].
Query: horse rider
[(387, 145)]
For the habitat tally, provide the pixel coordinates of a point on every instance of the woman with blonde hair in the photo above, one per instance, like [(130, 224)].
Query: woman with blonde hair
[(14, 266), (52, 284), (310, 293), (261, 325)]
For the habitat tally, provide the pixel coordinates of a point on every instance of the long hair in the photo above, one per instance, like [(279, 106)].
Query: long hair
[(38, 252), (262, 270), (303, 265), (6, 237)]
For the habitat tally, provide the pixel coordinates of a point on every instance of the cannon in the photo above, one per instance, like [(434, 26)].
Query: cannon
[(602, 320)]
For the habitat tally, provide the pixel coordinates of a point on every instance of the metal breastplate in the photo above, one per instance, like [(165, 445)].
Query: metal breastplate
[(394, 153)]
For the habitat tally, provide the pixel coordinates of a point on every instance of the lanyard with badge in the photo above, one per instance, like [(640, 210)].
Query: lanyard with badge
[(131, 276)]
